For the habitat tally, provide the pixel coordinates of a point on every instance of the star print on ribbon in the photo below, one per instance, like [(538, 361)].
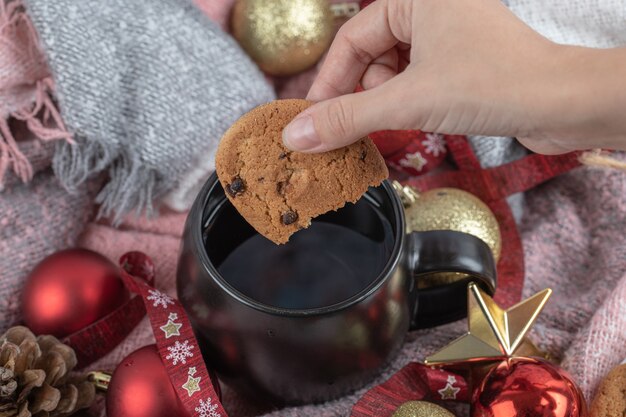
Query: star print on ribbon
[(449, 392), (193, 383), (171, 328), (175, 340)]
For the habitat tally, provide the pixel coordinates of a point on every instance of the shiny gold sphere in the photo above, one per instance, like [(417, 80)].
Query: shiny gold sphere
[(454, 209), (283, 37), (449, 209), (421, 409)]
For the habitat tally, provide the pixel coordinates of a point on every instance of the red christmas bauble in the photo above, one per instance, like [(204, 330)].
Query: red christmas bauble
[(140, 387), (524, 387), (69, 290)]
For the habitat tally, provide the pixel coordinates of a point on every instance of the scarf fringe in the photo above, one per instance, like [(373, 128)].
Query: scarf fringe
[(41, 116), (11, 156), (130, 185)]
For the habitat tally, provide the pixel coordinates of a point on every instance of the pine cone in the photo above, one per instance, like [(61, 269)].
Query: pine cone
[(35, 377)]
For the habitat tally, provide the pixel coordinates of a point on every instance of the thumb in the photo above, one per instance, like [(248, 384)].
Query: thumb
[(339, 121), (545, 146)]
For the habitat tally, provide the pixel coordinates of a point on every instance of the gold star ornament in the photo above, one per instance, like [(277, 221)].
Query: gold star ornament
[(494, 334)]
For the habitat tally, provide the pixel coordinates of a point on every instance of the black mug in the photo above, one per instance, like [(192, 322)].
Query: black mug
[(320, 316)]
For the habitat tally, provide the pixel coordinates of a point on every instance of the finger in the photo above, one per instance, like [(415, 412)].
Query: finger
[(340, 121), (404, 56), (544, 146), (369, 34), (381, 70)]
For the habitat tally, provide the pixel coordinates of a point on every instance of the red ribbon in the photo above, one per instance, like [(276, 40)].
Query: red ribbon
[(493, 185), (415, 381), (102, 336), (175, 340)]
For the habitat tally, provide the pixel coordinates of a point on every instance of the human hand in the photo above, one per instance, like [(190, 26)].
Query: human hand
[(446, 66)]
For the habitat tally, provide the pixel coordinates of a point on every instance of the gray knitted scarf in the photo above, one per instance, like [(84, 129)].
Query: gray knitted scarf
[(146, 88)]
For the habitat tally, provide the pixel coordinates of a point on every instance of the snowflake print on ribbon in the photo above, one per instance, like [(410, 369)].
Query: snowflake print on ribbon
[(171, 328), (449, 392), (414, 160), (434, 144), (180, 352), (206, 409), (159, 299)]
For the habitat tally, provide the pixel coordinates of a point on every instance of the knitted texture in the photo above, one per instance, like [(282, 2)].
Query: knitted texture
[(594, 23), (36, 219), (39, 218), (197, 82), (147, 89)]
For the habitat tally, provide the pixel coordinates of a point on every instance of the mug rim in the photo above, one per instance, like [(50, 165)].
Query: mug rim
[(196, 216)]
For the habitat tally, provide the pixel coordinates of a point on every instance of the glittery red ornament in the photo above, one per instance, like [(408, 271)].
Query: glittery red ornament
[(141, 387), (69, 290), (525, 387)]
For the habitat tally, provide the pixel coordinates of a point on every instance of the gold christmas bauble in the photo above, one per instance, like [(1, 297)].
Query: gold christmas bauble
[(283, 37), (421, 409), (449, 209)]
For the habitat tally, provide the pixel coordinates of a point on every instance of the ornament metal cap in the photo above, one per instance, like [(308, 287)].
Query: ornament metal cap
[(494, 333), (100, 380)]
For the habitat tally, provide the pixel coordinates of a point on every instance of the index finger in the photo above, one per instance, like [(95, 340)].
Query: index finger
[(369, 34)]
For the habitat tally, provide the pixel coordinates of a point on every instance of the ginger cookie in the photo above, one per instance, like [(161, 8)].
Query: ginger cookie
[(610, 400), (279, 191)]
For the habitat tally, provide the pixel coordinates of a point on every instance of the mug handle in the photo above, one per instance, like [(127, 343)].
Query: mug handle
[(447, 251)]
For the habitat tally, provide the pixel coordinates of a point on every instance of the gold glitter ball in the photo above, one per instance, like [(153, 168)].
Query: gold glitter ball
[(449, 209), (454, 209), (421, 409), (283, 37)]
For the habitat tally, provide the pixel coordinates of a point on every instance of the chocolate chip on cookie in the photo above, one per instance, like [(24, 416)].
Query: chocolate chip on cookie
[(236, 187), (289, 218)]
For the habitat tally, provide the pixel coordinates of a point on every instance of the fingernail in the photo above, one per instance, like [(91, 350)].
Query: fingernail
[(300, 135)]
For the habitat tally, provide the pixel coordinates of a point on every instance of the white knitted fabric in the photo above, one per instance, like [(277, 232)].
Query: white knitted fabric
[(593, 23)]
